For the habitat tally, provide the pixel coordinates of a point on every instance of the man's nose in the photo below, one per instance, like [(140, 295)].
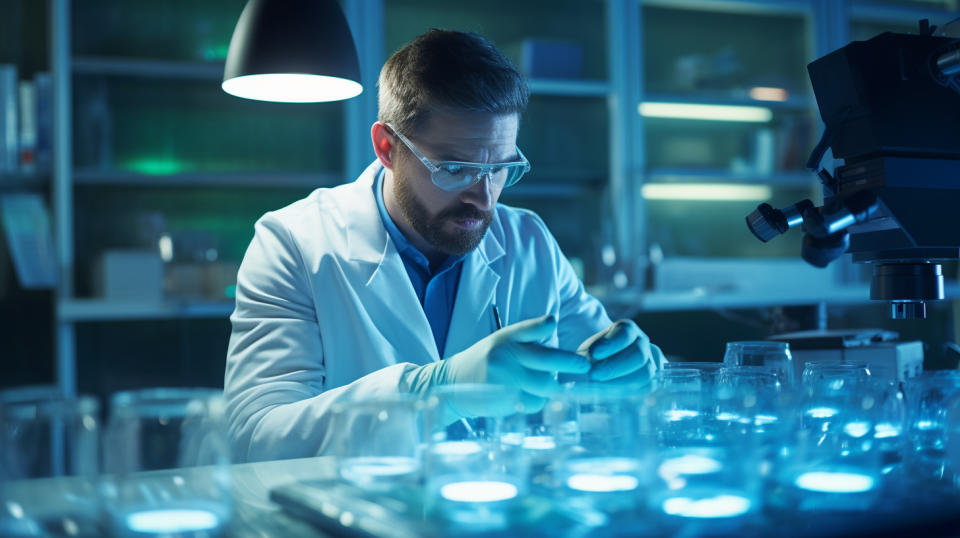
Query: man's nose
[(481, 194)]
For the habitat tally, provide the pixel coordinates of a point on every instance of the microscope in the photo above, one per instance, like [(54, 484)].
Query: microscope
[(891, 107)]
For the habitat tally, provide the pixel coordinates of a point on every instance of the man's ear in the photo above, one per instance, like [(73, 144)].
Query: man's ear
[(383, 144)]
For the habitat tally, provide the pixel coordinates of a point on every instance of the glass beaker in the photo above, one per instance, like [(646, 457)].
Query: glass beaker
[(603, 443), (49, 466), (378, 440), (474, 467), (774, 356), (168, 463)]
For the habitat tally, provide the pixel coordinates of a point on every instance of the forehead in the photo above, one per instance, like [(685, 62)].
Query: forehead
[(466, 135)]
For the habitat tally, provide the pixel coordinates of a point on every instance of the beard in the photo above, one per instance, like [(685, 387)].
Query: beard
[(431, 227)]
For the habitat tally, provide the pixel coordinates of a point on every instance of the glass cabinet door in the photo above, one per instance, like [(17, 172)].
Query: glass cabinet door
[(729, 121), (161, 153)]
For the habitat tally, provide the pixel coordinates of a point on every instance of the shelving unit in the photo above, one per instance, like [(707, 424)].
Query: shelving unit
[(590, 149), (20, 181)]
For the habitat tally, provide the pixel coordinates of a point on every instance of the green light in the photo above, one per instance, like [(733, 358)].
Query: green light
[(216, 52), (156, 166), (230, 291)]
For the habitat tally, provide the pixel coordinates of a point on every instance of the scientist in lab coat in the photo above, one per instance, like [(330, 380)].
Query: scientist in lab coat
[(400, 280)]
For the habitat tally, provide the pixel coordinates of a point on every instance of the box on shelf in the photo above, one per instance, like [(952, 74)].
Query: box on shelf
[(200, 280), (129, 275)]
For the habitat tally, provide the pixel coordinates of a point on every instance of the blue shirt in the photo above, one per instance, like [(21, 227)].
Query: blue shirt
[(436, 291)]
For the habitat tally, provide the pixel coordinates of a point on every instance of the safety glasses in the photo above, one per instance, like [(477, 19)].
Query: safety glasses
[(457, 175)]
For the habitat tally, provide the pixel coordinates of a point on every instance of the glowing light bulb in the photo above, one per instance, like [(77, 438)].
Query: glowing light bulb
[(478, 491), (171, 521), (710, 507), (835, 482)]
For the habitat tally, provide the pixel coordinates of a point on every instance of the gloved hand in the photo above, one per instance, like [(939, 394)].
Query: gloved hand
[(622, 355), (513, 356)]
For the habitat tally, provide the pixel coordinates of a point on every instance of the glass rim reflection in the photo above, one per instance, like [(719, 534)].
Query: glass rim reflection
[(58, 407), (167, 401)]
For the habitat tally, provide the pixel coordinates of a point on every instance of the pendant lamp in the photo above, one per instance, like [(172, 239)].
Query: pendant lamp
[(292, 51)]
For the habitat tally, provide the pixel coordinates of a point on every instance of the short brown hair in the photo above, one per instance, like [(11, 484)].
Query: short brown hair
[(452, 70)]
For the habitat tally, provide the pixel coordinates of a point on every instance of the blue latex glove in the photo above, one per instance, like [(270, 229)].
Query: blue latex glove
[(513, 356), (622, 355)]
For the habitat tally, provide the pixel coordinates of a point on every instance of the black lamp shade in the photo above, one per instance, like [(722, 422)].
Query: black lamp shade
[(298, 51)]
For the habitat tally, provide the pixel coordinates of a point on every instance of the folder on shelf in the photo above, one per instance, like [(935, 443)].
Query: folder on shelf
[(26, 225)]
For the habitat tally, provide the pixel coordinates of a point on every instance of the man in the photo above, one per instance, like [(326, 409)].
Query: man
[(401, 280)]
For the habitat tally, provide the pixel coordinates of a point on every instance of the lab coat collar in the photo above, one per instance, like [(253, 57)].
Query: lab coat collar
[(383, 272), (367, 238)]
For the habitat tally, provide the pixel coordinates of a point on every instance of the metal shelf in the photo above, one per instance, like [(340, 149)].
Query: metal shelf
[(695, 175), (79, 310), (208, 179), (16, 181), (569, 88), (138, 67)]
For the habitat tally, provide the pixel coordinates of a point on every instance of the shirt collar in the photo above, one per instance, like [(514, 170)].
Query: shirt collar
[(406, 249)]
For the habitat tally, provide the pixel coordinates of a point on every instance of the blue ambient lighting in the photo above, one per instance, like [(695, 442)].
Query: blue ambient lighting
[(885, 430), (602, 475), (690, 464), (602, 483), (835, 482), (378, 466), (710, 507), (172, 521), (456, 448), (821, 412), (478, 491), (674, 415)]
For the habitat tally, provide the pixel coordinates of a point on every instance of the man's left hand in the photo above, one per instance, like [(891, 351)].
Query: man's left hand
[(622, 354)]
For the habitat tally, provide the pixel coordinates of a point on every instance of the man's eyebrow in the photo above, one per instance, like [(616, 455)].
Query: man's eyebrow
[(451, 153)]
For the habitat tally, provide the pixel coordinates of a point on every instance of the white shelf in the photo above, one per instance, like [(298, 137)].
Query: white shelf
[(628, 303), (207, 179), (792, 103), (79, 310), (695, 175)]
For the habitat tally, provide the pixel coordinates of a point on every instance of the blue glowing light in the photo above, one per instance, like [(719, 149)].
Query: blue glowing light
[(456, 448), (689, 464), (378, 466), (710, 507), (172, 521), (856, 429), (674, 415), (599, 475), (821, 412), (885, 430), (835, 482), (602, 483), (478, 491)]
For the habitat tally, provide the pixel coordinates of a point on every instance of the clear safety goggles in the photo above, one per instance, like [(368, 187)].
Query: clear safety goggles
[(457, 175)]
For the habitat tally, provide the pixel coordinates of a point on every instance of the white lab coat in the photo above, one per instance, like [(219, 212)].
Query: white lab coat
[(325, 311)]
